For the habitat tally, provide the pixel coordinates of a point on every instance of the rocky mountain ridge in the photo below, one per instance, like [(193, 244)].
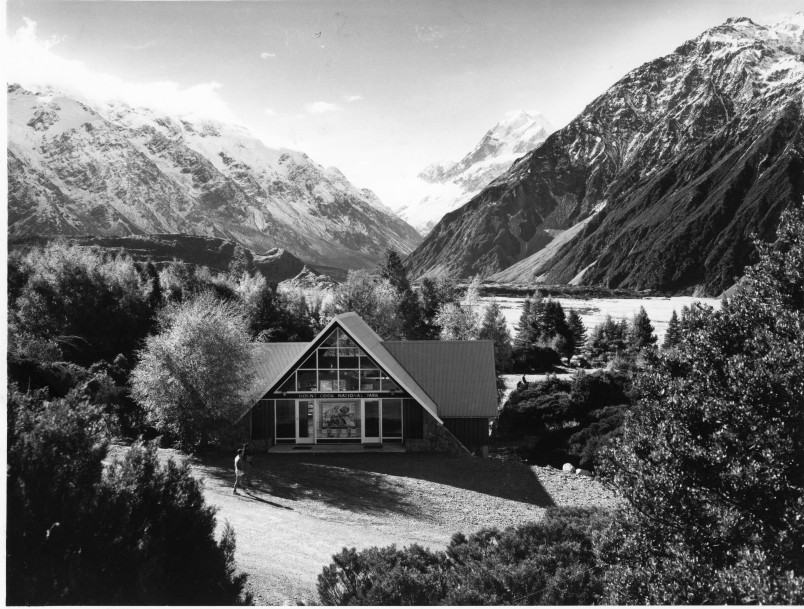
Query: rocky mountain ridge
[(453, 184), (658, 184), (76, 169)]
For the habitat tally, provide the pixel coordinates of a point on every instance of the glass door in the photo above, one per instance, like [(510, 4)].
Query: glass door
[(371, 421), (305, 424)]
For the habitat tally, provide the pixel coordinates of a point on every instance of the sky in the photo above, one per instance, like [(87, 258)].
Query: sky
[(378, 88)]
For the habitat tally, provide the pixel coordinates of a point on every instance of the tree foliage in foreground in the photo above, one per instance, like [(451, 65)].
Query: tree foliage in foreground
[(710, 464), (133, 532), (191, 374), (545, 563)]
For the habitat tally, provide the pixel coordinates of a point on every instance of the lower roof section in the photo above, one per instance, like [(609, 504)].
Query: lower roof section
[(458, 375)]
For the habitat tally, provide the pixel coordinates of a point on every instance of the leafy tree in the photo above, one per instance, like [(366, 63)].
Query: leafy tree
[(459, 320), (549, 562), (710, 462), (190, 375), (135, 532), (641, 335), (673, 334), (578, 331), (408, 308), (374, 301), (93, 306)]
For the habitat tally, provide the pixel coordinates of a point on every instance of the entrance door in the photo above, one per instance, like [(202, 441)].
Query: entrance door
[(305, 423), (371, 421)]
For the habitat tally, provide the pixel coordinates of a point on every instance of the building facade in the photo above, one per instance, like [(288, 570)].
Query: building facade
[(349, 387)]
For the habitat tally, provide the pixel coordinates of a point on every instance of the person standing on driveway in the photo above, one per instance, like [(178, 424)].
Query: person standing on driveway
[(240, 471), (247, 461)]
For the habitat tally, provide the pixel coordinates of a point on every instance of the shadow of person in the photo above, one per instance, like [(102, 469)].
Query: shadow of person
[(250, 494)]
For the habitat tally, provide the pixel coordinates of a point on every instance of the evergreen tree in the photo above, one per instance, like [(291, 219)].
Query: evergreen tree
[(522, 338), (155, 296), (495, 328), (429, 303), (641, 335), (710, 462), (673, 335), (578, 331), (408, 308)]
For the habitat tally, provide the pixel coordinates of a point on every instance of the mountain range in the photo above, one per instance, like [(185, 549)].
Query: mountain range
[(450, 184), (113, 170), (659, 183)]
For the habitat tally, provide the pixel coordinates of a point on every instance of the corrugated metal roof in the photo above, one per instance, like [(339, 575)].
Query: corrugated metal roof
[(458, 375), (367, 338), (271, 361), (448, 378)]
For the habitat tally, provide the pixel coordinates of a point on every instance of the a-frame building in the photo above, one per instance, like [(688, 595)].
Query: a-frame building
[(349, 387)]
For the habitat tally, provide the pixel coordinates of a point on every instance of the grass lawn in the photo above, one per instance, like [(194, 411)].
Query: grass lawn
[(305, 508)]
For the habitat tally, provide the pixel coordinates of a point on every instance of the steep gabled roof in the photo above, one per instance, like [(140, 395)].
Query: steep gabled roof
[(458, 375), (448, 378), (271, 361)]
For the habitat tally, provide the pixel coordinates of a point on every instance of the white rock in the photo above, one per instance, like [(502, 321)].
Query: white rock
[(568, 467), (583, 472)]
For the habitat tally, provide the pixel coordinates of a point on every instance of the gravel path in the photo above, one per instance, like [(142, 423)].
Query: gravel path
[(305, 508)]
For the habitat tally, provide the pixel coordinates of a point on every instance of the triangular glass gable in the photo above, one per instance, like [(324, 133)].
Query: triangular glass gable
[(337, 365)]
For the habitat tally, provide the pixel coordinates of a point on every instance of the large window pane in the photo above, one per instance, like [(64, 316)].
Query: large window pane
[(350, 380), (391, 419), (327, 380), (331, 340), (285, 419), (348, 358), (309, 363), (307, 380), (328, 358), (288, 385), (344, 340), (389, 385), (370, 380)]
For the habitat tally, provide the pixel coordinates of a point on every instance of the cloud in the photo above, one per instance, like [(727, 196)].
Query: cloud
[(269, 112), (33, 64), (353, 98), (267, 55), (321, 107)]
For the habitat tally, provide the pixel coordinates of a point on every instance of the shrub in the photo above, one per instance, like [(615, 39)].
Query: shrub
[(549, 562), (191, 375), (137, 533), (531, 359), (710, 460)]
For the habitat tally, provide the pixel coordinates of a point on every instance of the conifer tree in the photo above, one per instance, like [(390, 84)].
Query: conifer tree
[(578, 331), (408, 307), (641, 335), (522, 338), (673, 335), (495, 328)]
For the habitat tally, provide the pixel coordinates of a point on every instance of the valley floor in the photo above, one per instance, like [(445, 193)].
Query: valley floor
[(305, 508)]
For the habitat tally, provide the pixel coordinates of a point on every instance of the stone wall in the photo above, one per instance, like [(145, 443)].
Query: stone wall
[(436, 438)]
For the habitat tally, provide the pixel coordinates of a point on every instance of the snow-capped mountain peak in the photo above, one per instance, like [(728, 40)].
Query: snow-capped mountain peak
[(453, 184)]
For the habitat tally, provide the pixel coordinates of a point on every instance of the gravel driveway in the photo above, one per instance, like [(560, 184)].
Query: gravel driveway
[(305, 508)]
